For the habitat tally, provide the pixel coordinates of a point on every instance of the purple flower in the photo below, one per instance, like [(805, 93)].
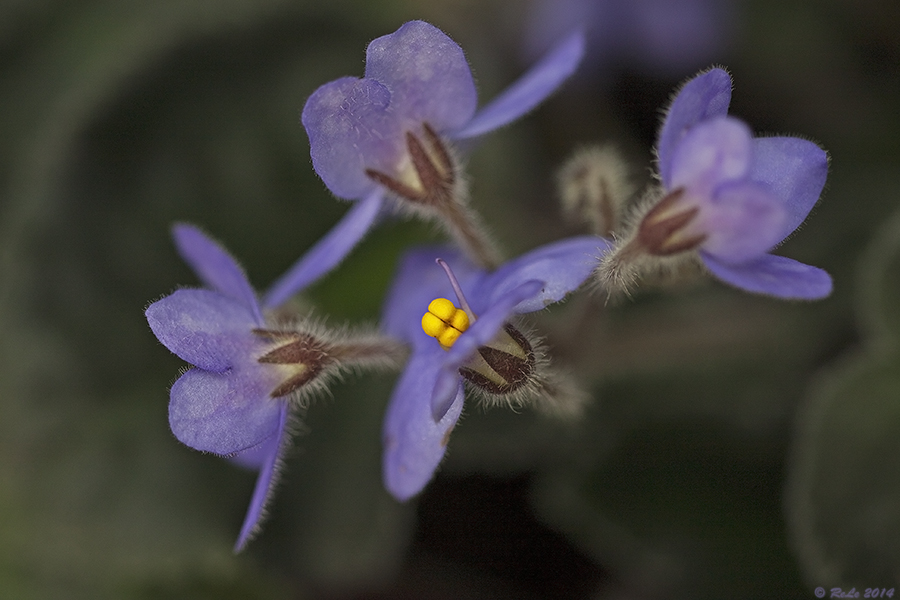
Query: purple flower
[(388, 133), (657, 36), (235, 401), (224, 404), (485, 348), (414, 76), (730, 196)]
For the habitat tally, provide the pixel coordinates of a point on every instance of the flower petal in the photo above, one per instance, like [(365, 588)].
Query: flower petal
[(488, 325), (705, 96), (414, 443), (563, 266), (546, 21), (265, 482), (223, 413), (215, 267), (530, 90), (203, 327), (352, 125), (713, 152), (328, 252), (254, 458), (419, 281), (795, 169), (774, 276), (427, 75), (743, 221)]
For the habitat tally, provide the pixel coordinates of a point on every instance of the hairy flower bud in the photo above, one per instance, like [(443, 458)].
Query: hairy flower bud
[(594, 187)]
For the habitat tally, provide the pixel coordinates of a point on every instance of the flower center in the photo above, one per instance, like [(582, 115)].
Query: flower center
[(670, 226), (444, 322), (301, 361), (427, 180), (299, 357), (430, 180), (501, 366)]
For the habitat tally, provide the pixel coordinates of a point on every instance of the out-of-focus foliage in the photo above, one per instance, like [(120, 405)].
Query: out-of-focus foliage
[(121, 118), (845, 474)]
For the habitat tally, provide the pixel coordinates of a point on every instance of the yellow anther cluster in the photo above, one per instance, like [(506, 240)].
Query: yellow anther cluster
[(444, 321)]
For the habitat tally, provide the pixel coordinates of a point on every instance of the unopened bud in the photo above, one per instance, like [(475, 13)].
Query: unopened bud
[(594, 187)]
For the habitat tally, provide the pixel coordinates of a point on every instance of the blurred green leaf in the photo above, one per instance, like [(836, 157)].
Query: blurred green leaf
[(678, 511), (879, 286), (844, 481)]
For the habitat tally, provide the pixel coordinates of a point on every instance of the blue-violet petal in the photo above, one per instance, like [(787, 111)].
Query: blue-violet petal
[(203, 327), (414, 443), (795, 170), (223, 413), (528, 91), (703, 97), (774, 276)]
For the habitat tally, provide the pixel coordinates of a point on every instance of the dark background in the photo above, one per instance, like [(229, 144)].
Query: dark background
[(737, 447)]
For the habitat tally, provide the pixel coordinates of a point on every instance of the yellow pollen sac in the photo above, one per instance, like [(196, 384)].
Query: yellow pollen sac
[(444, 321)]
